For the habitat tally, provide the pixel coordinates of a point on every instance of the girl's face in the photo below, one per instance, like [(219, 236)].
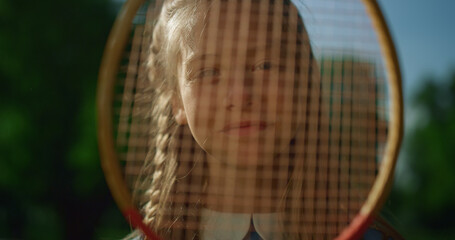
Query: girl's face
[(237, 83)]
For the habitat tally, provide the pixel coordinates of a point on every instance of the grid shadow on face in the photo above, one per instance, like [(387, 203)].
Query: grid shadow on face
[(286, 111)]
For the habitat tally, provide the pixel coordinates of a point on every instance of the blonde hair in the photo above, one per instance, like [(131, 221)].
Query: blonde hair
[(162, 210), (160, 171)]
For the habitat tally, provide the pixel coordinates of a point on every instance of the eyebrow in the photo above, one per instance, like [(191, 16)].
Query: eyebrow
[(200, 57), (250, 50)]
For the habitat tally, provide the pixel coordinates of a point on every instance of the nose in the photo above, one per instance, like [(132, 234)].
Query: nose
[(240, 91)]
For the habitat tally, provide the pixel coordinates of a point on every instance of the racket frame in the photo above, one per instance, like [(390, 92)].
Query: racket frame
[(110, 63)]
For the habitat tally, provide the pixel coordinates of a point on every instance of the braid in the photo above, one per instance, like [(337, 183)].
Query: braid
[(161, 168), (162, 162)]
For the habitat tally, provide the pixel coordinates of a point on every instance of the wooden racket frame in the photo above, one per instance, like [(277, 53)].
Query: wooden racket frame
[(110, 63)]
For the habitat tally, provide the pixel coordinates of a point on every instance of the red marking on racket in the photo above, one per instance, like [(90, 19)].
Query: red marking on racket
[(357, 227), (136, 220)]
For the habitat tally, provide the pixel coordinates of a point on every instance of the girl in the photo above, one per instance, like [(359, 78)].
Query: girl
[(240, 126)]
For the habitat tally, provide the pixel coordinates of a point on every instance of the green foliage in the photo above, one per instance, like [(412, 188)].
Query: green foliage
[(51, 183), (425, 204)]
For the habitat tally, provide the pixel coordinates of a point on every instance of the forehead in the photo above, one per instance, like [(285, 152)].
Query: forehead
[(245, 25)]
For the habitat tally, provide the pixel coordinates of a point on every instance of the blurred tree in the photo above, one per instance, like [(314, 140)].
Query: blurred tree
[(51, 184), (425, 202)]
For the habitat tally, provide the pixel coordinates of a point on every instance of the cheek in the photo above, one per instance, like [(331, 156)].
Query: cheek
[(287, 114), (285, 96), (200, 106)]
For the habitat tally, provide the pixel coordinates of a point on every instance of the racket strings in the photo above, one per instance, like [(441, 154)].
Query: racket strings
[(338, 142)]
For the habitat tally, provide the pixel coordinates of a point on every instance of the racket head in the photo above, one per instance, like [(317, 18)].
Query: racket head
[(123, 74)]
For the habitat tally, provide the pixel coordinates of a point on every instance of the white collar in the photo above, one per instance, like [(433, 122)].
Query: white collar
[(235, 226)]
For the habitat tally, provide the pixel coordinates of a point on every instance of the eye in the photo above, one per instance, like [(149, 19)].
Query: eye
[(208, 73), (265, 65)]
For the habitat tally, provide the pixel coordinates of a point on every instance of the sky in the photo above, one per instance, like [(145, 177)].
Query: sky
[(424, 35)]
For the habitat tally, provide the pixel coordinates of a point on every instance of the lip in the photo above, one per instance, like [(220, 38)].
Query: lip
[(244, 128)]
